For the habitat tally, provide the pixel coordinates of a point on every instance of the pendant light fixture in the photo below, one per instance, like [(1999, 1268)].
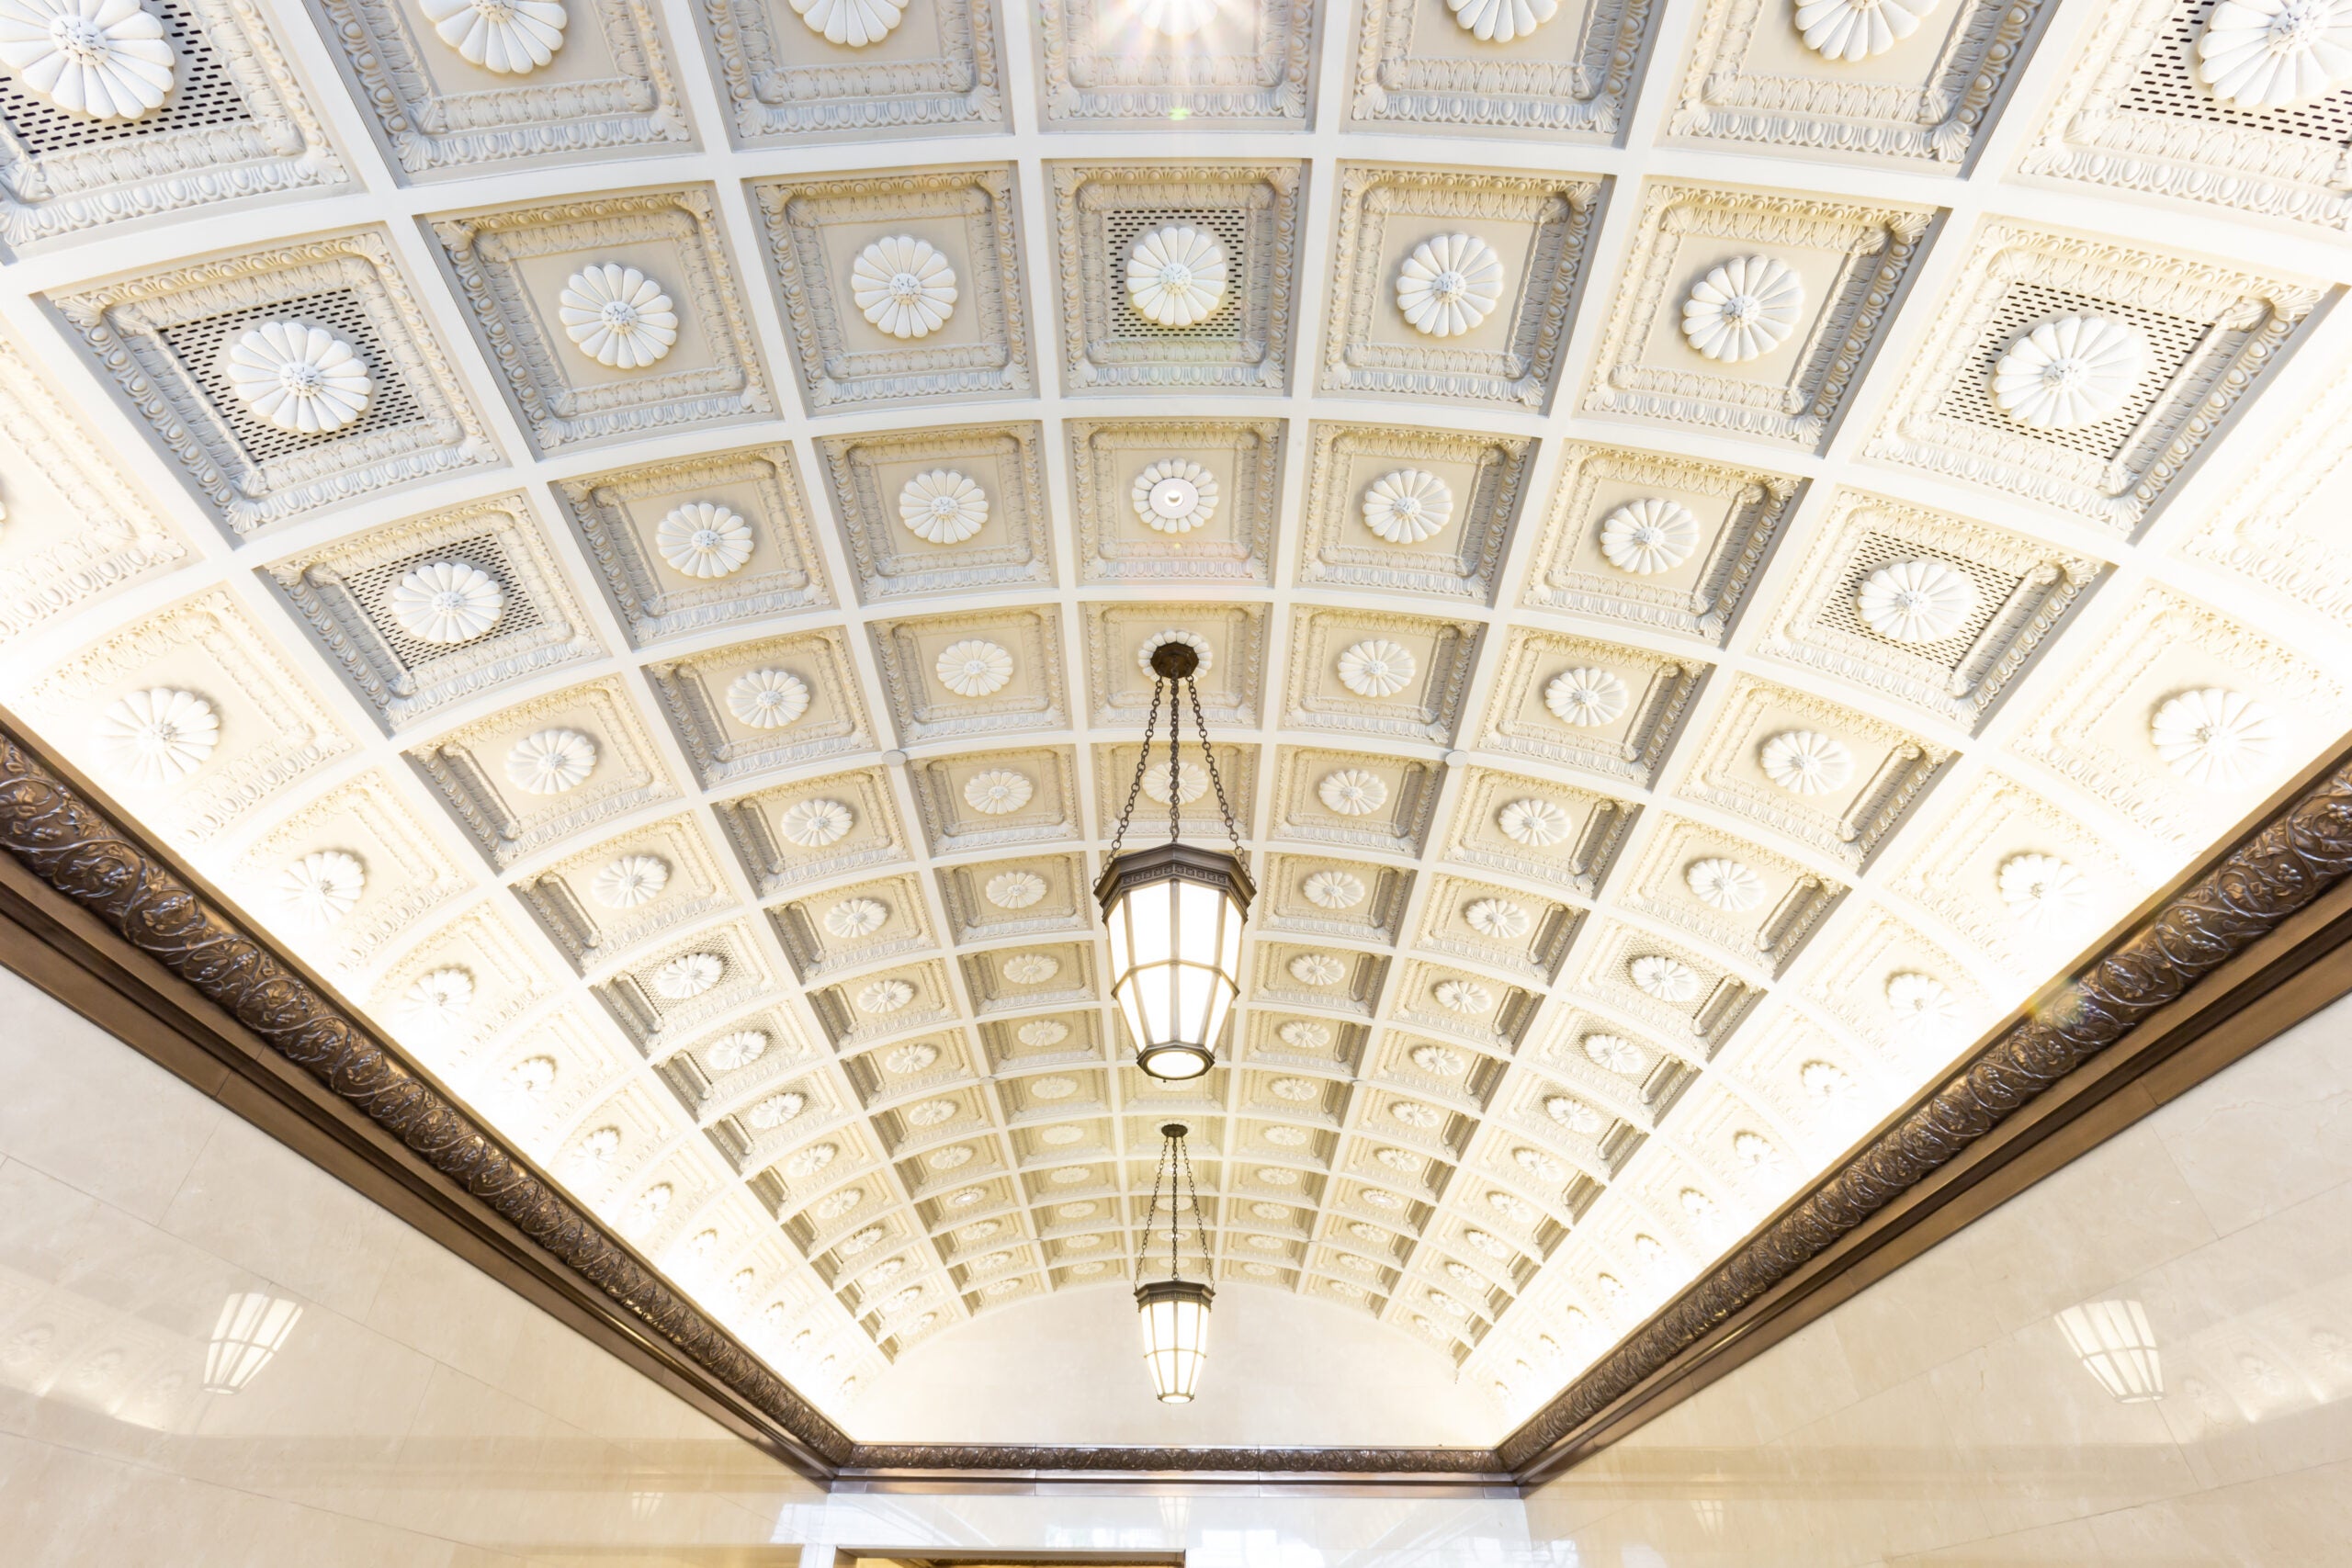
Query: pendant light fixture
[(1175, 1311), (1175, 910)]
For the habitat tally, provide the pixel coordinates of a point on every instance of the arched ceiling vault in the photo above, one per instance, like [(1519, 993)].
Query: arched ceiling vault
[(1724, 551)]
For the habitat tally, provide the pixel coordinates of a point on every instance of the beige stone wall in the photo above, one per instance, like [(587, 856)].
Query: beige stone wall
[(418, 1416), (1941, 1417)]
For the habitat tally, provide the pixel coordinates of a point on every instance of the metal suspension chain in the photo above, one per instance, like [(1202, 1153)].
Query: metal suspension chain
[(1175, 1154), (1208, 755), (1143, 760), (1200, 1223), (1175, 731), (1167, 1168)]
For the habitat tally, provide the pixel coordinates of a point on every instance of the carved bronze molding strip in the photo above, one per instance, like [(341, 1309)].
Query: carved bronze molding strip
[(1482, 1463), (2300, 853), (78, 850)]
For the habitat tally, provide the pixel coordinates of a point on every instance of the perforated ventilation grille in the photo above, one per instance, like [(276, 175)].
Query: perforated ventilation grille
[(372, 590), (1993, 590), (2167, 84), (201, 346), (1222, 324), (202, 95), (2170, 339)]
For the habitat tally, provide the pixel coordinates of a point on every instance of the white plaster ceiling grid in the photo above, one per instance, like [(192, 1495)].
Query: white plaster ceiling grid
[(1642, 1072)]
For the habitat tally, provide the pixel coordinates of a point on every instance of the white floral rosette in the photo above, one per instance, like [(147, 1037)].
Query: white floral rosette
[(96, 59), (513, 38)]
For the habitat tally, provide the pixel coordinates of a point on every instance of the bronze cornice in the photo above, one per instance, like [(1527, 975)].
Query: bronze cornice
[(1483, 1463), (2228, 921)]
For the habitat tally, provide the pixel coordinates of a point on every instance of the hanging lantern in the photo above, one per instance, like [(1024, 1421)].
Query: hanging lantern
[(1175, 912), (1175, 1311)]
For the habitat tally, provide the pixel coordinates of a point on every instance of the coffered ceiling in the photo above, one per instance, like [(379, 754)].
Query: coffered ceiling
[(1727, 539)]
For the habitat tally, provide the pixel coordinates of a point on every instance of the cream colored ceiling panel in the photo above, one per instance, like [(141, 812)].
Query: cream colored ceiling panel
[(1229, 639), (1925, 605), (421, 614), (352, 875), (1241, 65), (885, 1005), (985, 800), (529, 777), (1174, 501), (699, 543), (649, 331), (1666, 986), (895, 286), (452, 89), (77, 527), (1898, 990), (979, 673), (1177, 275), (1756, 907), (1496, 927), (1825, 776), (1376, 673), (2176, 706), (750, 708), (672, 993), (1655, 540), (1596, 707), (2083, 375), (2281, 526), (1814, 1081), (1398, 508), (1900, 80), (2142, 110), (942, 510), (460, 987), (224, 117), (846, 929), (1455, 285), (548, 1078), (1431, 66), (1536, 829), (1751, 312), (798, 833), (194, 714), (1196, 788), (284, 381), (1327, 895), (2015, 873), (936, 68), (1020, 896)]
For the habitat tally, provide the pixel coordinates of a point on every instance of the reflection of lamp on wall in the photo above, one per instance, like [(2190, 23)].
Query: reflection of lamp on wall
[(2114, 1342), (253, 1328)]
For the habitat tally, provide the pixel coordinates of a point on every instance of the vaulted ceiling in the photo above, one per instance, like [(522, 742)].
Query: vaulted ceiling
[(1727, 540)]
